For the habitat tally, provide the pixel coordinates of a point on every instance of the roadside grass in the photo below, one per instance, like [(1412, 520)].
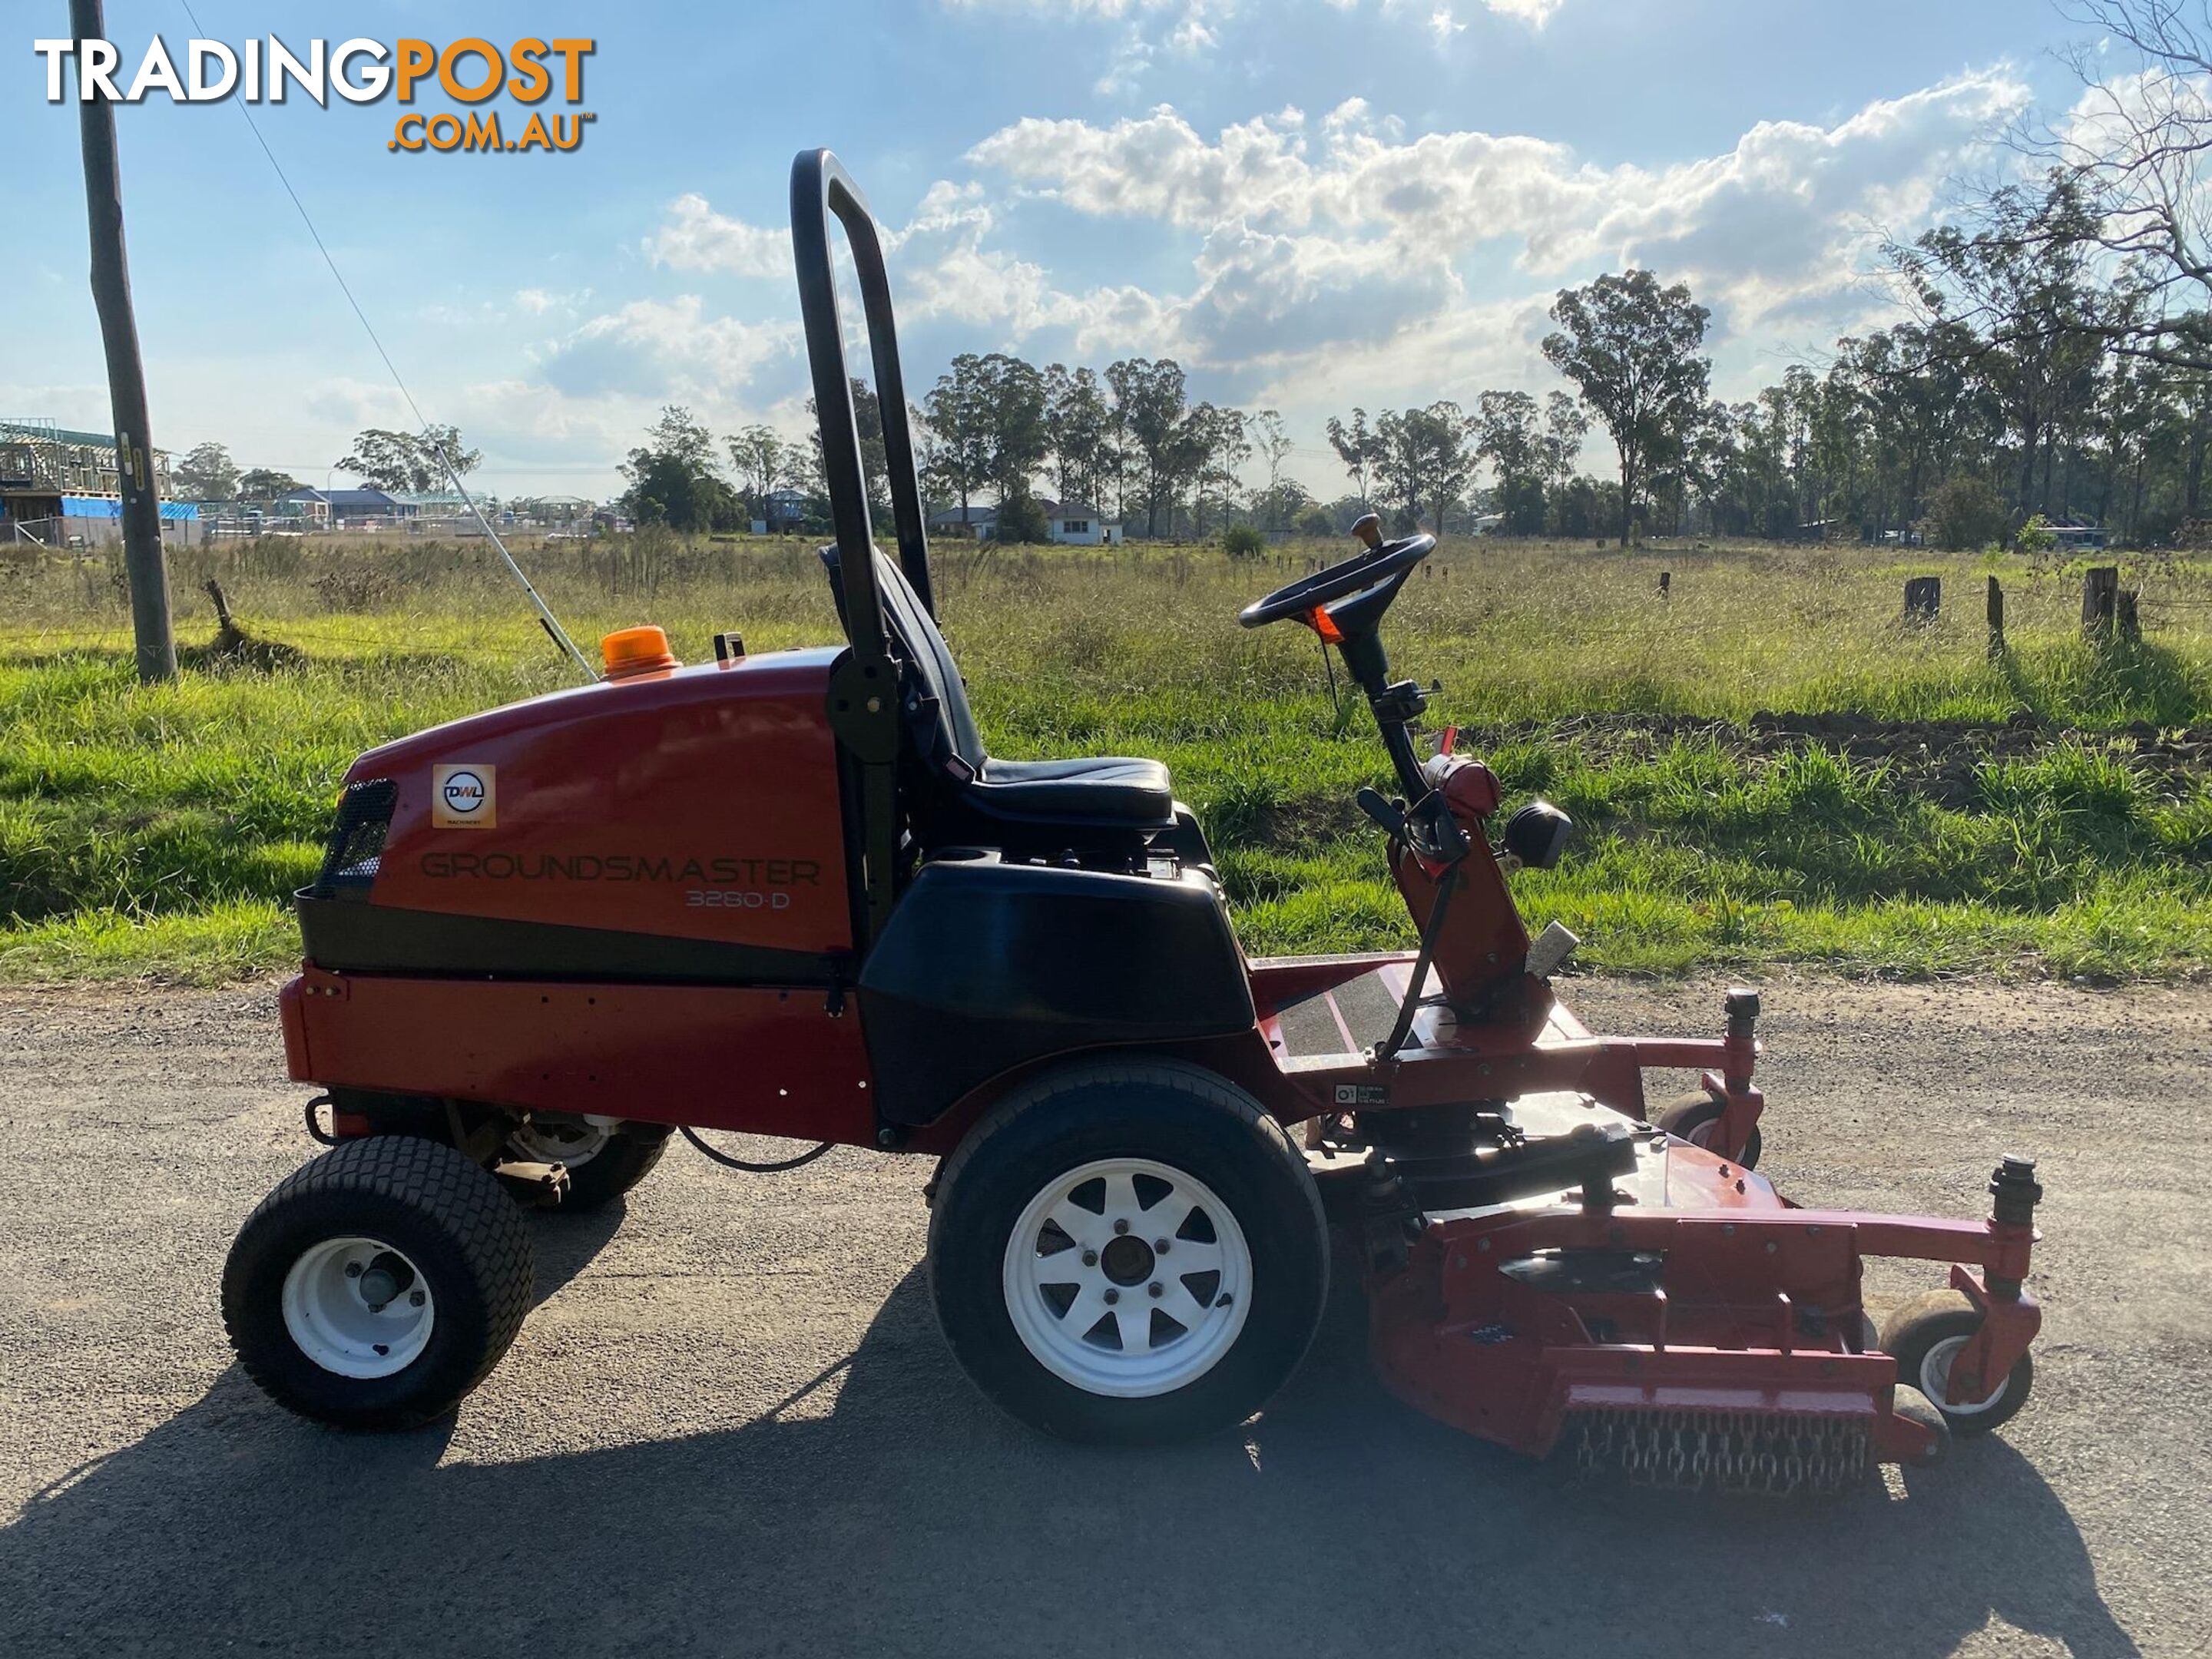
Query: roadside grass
[(159, 830)]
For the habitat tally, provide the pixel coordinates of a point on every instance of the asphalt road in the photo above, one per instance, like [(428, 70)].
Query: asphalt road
[(730, 1425)]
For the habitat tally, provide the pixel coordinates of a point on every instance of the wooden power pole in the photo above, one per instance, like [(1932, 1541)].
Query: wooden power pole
[(126, 372)]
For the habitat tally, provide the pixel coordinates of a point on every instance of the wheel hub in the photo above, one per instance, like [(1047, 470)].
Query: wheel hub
[(1935, 1379), (383, 1279), (559, 1140), (1127, 1260), (357, 1307), (1128, 1278)]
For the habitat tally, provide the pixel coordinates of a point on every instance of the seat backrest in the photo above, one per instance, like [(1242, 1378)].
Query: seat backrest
[(928, 659)]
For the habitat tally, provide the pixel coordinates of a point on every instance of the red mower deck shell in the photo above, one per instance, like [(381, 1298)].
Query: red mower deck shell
[(1759, 1317)]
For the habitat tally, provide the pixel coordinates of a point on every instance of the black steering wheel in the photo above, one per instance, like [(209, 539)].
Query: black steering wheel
[(1383, 561)]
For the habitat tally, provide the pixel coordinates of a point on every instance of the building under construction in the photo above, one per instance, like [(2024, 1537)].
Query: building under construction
[(61, 489)]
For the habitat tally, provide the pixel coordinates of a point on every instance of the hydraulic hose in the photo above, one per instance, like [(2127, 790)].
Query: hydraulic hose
[(727, 1161)]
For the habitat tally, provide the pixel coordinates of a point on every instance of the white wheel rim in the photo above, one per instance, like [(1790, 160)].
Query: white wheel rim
[(1935, 1379), (1071, 1313), (358, 1307), (560, 1142)]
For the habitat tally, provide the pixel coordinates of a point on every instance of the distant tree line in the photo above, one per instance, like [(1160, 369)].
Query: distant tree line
[(417, 463), (997, 429)]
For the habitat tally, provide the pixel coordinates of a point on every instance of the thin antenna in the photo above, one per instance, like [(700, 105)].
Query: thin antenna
[(550, 623)]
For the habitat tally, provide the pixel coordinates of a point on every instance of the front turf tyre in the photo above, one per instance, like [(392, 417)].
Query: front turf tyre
[(1128, 1251), (377, 1285), (1694, 1117), (1926, 1336), (604, 1161)]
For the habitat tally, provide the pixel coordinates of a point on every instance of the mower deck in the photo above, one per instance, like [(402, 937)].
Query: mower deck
[(1686, 1323)]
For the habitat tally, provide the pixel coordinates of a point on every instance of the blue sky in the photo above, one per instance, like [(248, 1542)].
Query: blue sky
[(1311, 203)]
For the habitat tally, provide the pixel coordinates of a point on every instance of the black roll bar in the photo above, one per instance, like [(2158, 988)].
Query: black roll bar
[(863, 701), (819, 187)]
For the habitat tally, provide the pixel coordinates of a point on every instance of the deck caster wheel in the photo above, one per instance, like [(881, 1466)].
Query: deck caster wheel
[(1128, 1251), (604, 1161), (1694, 1118), (375, 1286), (1917, 1408), (1926, 1336)]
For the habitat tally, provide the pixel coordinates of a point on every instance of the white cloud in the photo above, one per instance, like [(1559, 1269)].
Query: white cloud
[(539, 302), (1333, 259), (1444, 20), (349, 404), (1534, 12), (1186, 27), (1316, 233), (944, 267), (1192, 27), (653, 347), (694, 237)]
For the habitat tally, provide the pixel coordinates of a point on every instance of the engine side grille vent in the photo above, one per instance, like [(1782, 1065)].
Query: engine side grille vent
[(356, 843)]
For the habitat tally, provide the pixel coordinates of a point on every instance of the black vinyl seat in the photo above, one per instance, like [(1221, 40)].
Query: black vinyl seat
[(1110, 790), (969, 795)]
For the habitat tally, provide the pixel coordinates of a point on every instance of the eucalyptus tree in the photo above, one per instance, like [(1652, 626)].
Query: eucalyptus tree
[(1632, 349)]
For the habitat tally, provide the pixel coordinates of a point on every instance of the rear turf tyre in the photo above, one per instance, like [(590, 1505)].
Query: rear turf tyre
[(1925, 1336), (1085, 1329), (1694, 1117), (604, 1162), (377, 1285)]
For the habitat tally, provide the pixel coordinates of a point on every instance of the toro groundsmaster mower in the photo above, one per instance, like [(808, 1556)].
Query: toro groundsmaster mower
[(792, 894)]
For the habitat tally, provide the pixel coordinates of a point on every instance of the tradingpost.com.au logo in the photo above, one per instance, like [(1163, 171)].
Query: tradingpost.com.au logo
[(469, 72)]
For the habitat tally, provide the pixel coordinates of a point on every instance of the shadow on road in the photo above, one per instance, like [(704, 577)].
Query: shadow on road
[(884, 1508), (564, 1245)]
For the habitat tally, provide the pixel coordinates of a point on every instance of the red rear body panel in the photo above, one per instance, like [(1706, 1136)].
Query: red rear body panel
[(754, 1057)]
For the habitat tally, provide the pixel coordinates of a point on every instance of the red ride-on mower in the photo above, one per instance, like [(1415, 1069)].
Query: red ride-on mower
[(792, 894)]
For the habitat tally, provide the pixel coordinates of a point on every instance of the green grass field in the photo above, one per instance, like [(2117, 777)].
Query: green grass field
[(160, 830)]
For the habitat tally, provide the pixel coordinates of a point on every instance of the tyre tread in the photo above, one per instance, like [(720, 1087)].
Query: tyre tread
[(1942, 1306), (1211, 1086), (449, 1191), (1207, 1092)]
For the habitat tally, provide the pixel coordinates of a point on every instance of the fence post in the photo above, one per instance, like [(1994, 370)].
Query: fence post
[(1665, 578), (1923, 597), (1996, 620), (2100, 595), (2126, 617)]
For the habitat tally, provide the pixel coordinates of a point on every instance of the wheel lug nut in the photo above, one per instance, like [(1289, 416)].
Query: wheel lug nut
[(1159, 1247), (415, 1298), (1091, 1258), (1154, 1287), (1121, 1226), (1112, 1297), (353, 1270)]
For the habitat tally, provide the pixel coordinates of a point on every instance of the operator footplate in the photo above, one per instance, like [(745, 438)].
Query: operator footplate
[(1561, 1148)]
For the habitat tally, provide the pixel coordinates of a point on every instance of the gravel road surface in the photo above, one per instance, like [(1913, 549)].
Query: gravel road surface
[(730, 1425)]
